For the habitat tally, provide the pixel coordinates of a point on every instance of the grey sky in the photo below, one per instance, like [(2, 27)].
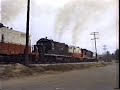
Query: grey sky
[(50, 17)]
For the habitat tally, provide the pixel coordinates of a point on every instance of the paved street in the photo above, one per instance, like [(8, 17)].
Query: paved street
[(102, 78)]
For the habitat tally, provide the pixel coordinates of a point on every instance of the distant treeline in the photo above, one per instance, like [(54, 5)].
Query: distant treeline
[(108, 56)]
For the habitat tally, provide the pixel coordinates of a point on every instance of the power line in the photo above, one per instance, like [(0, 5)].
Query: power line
[(95, 33)]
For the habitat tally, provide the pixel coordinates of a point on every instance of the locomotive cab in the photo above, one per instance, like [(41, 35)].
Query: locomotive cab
[(44, 45)]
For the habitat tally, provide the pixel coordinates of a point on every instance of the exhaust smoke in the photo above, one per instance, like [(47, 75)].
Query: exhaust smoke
[(11, 8), (80, 12)]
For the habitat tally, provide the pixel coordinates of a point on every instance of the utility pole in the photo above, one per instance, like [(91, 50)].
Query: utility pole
[(27, 35), (106, 55), (105, 52), (105, 48), (95, 33)]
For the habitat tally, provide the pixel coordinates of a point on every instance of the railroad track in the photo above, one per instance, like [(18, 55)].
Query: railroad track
[(63, 64)]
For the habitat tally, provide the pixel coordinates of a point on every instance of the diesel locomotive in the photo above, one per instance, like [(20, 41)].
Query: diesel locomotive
[(50, 51)]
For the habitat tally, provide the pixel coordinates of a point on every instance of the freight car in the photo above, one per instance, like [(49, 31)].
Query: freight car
[(12, 45), (12, 52)]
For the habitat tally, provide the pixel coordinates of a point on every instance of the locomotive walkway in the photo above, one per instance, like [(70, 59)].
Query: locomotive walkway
[(102, 78)]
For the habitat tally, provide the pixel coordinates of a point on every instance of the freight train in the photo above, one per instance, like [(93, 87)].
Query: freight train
[(44, 51)]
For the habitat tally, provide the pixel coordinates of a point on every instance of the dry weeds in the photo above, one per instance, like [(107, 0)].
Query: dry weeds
[(18, 70)]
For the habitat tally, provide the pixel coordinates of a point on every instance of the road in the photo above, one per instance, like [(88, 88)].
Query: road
[(100, 78)]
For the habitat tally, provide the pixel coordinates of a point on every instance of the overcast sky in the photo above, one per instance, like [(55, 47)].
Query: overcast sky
[(67, 21)]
